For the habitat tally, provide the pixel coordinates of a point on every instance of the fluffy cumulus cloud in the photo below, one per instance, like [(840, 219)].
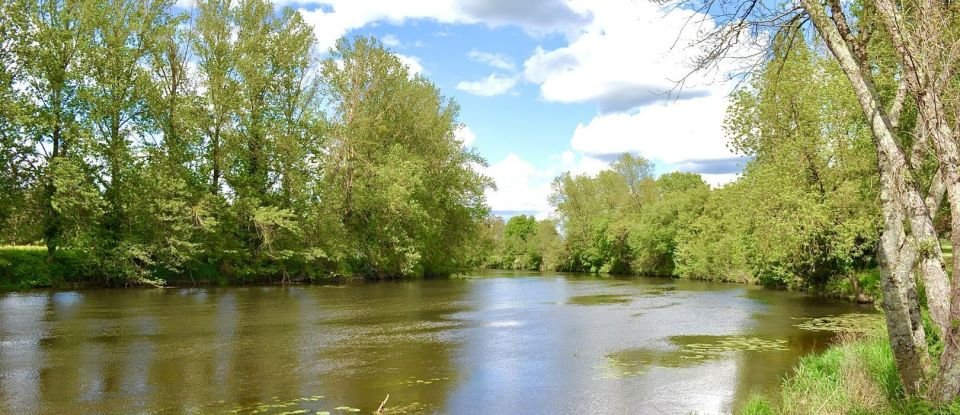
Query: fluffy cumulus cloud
[(628, 61), (687, 133), (631, 54), (390, 40), (331, 19), (523, 188), (492, 85), (533, 15), (495, 83)]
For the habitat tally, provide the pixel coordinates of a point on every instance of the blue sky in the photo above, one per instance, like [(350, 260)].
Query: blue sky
[(547, 86)]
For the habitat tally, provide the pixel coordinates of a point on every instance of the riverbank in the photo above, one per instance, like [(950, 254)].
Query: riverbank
[(860, 286), (25, 267), (855, 376)]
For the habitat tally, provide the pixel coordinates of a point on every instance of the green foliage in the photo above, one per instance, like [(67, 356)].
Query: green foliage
[(524, 243), (680, 201), (803, 214), (623, 220), (27, 267), (805, 209), (396, 178), (259, 162)]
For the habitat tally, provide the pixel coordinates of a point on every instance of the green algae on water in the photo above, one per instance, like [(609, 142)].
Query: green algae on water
[(600, 299), (690, 351), (850, 323)]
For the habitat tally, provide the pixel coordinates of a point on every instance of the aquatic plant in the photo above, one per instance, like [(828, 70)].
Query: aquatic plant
[(691, 351), (852, 323)]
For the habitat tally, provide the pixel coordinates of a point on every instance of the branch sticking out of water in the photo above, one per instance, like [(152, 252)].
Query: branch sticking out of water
[(380, 409)]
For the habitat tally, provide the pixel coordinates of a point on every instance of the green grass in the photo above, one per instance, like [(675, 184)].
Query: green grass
[(853, 377), (856, 376)]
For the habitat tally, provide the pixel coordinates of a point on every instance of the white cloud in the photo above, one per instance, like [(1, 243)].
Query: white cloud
[(627, 60), (718, 180), (685, 131), (578, 164), (631, 54), (414, 66), (536, 16), (525, 188), (465, 135), (496, 60), (337, 17), (495, 84), (521, 187), (390, 41)]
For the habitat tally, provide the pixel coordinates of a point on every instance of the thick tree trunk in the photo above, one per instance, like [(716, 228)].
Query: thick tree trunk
[(901, 200), (916, 78), (919, 65), (946, 385), (900, 300)]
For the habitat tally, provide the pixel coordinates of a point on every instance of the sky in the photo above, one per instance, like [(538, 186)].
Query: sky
[(548, 86)]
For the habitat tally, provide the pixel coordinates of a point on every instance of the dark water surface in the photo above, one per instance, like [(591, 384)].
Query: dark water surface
[(489, 344)]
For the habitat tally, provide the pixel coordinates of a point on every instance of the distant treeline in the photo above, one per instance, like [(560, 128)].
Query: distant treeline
[(803, 214), (150, 144)]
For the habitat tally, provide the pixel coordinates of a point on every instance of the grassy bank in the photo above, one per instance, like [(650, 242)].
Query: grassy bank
[(856, 376)]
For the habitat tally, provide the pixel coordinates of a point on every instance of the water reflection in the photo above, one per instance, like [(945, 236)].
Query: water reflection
[(21, 355), (534, 344)]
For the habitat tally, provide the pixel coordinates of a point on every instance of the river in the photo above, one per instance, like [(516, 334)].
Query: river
[(494, 343)]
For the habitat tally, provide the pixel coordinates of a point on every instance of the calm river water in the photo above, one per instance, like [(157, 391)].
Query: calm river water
[(487, 344)]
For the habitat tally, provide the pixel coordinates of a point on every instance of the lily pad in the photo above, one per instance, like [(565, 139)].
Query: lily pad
[(851, 323)]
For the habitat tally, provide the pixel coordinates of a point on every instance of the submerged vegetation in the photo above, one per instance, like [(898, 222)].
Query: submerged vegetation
[(690, 351), (148, 144)]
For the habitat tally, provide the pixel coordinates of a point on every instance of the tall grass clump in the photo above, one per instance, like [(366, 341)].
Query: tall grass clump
[(855, 376)]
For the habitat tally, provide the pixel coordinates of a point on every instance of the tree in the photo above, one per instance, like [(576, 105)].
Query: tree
[(215, 60), (597, 213), (653, 239), (54, 39), (17, 177), (395, 174), (519, 251), (165, 145), (922, 37)]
